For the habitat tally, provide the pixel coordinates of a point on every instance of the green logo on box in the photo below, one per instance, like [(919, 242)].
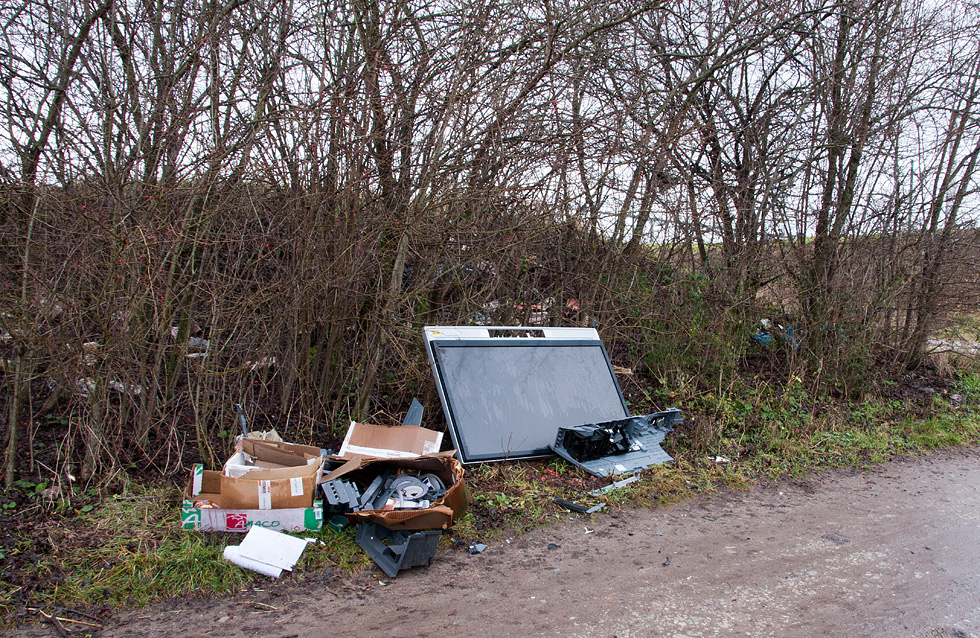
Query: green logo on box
[(313, 518)]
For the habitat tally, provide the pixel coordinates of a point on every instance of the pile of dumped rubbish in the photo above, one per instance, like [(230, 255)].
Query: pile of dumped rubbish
[(506, 393)]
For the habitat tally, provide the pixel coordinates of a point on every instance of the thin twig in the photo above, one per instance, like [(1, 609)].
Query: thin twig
[(80, 613), (54, 623), (78, 622)]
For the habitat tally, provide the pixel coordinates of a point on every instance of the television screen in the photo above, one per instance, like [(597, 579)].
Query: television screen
[(506, 398)]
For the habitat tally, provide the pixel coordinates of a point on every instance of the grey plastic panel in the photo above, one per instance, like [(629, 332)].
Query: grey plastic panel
[(414, 414), (394, 551)]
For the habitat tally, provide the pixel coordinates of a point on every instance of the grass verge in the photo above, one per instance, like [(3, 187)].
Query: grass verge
[(129, 549)]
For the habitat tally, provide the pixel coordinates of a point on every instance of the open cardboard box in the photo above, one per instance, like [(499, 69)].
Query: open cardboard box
[(233, 515), (271, 475), (440, 515), (253, 455)]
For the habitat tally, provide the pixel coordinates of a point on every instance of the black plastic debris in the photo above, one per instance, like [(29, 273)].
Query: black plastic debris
[(477, 548), (394, 551), (621, 446), (575, 507)]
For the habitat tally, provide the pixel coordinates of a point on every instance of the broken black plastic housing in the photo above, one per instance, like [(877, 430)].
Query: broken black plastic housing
[(617, 447), (588, 443)]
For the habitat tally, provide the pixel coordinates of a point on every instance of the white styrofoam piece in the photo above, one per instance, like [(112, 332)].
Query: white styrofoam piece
[(272, 548), (233, 554)]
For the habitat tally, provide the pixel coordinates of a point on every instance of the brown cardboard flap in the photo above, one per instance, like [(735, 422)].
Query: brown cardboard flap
[(379, 441), (210, 484), (282, 454), (271, 474), (443, 513)]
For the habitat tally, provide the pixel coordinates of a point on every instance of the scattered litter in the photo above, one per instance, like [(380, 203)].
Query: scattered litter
[(262, 363), (341, 494), (388, 491), (240, 417), (575, 507), (265, 483), (131, 389), (553, 546), (615, 486), (90, 352), (381, 442), (430, 492), (722, 459), (767, 330), (266, 552), (658, 534), (394, 551), (589, 531), (86, 385), (193, 343), (338, 523), (477, 548), (557, 569), (667, 562)]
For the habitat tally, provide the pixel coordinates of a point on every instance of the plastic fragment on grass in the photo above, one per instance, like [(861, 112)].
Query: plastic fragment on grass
[(267, 552), (615, 486)]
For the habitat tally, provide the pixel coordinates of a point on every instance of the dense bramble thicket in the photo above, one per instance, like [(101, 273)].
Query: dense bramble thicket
[(264, 202)]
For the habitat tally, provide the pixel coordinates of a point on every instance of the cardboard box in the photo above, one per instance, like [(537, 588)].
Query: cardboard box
[(253, 455), (397, 442), (232, 516), (440, 515), (269, 489)]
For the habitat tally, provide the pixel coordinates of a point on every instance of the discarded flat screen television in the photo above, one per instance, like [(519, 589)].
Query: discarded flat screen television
[(506, 391)]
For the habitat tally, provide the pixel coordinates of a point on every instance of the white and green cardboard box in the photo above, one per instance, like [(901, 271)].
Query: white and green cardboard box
[(228, 516)]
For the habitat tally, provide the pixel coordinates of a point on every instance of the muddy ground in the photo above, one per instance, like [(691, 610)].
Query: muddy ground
[(893, 551)]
